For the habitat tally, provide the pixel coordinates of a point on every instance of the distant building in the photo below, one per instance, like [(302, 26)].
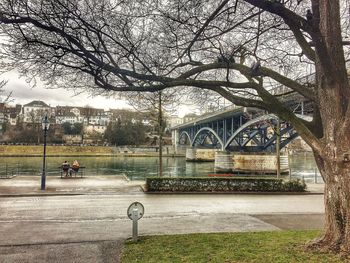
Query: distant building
[(92, 128), (174, 121), (190, 117), (34, 111), (62, 110), (67, 117), (102, 120), (9, 114), (95, 121), (72, 139), (124, 115)]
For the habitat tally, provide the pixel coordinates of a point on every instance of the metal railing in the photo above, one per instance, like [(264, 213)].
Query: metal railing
[(309, 176), (9, 170)]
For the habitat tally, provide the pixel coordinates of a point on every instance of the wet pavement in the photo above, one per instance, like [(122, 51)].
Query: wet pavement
[(84, 220), (55, 185)]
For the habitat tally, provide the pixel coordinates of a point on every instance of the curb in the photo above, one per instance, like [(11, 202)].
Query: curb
[(38, 194), (240, 193)]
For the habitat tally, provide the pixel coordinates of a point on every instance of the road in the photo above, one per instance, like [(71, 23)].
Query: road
[(36, 225), (45, 219)]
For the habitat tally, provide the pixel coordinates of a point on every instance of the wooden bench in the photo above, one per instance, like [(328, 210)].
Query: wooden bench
[(70, 172)]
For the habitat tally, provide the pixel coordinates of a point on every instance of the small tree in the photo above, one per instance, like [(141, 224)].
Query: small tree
[(67, 128), (154, 105), (77, 128), (125, 133)]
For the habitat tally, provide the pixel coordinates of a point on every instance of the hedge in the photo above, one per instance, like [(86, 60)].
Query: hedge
[(219, 184)]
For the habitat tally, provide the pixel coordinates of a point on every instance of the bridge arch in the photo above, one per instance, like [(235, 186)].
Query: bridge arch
[(207, 129), (246, 125), (186, 135), (259, 119)]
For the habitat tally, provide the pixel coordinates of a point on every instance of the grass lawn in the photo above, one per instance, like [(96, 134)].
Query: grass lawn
[(262, 247), (53, 150)]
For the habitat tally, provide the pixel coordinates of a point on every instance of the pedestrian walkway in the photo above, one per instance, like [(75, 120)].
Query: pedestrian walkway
[(113, 184), (55, 185), (84, 220)]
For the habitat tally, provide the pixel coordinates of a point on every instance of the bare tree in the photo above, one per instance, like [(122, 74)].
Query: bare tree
[(155, 105), (207, 45), (7, 96)]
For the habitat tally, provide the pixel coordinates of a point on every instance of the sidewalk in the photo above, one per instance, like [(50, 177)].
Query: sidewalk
[(112, 184), (55, 185)]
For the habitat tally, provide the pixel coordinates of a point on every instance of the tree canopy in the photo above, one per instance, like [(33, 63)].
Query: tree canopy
[(153, 45), (125, 133), (72, 129)]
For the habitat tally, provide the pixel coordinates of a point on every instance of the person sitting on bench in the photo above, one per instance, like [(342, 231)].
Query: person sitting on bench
[(75, 167), (65, 168)]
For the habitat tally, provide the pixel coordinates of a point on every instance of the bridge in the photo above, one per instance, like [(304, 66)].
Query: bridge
[(244, 130), (241, 129), (236, 129)]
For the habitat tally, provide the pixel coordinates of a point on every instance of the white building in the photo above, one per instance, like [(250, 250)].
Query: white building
[(68, 117), (91, 128), (76, 111), (102, 120), (34, 111), (72, 116), (174, 121), (190, 117)]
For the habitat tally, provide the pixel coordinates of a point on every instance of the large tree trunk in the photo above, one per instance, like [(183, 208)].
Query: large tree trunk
[(336, 174), (333, 95), (333, 161)]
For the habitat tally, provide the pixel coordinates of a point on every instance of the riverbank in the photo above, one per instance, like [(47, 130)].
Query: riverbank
[(107, 184), (93, 151), (33, 150)]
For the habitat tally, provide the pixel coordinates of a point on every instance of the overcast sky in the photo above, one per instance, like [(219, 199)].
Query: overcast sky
[(23, 93)]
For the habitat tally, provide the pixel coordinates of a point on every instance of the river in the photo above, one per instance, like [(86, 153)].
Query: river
[(138, 168)]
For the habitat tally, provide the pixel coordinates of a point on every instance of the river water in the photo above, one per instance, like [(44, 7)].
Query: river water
[(138, 168)]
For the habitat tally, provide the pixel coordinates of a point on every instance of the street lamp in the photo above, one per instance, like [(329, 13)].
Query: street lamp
[(45, 124)]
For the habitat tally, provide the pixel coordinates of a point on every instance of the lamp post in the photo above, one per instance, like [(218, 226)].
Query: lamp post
[(45, 124)]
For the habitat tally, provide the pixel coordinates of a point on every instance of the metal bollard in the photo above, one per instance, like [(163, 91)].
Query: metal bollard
[(135, 212), (135, 225)]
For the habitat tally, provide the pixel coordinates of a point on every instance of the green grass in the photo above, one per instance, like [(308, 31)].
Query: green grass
[(53, 150), (262, 247)]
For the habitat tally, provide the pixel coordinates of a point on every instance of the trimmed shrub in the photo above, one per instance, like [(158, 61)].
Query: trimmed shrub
[(294, 186), (217, 184)]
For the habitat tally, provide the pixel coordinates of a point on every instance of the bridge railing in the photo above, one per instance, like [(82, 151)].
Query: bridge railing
[(208, 115), (281, 89)]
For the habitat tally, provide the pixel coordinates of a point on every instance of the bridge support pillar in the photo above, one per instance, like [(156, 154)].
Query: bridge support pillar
[(265, 163), (200, 155), (249, 163), (223, 162), (175, 140)]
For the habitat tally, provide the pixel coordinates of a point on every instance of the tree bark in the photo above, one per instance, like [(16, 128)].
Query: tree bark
[(333, 96), (335, 172)]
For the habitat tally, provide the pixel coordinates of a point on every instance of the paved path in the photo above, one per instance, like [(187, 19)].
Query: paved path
[(55, 185), (92, 227)]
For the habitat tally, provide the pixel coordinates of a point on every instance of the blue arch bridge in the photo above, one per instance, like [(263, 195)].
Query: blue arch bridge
[(235, 136)]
